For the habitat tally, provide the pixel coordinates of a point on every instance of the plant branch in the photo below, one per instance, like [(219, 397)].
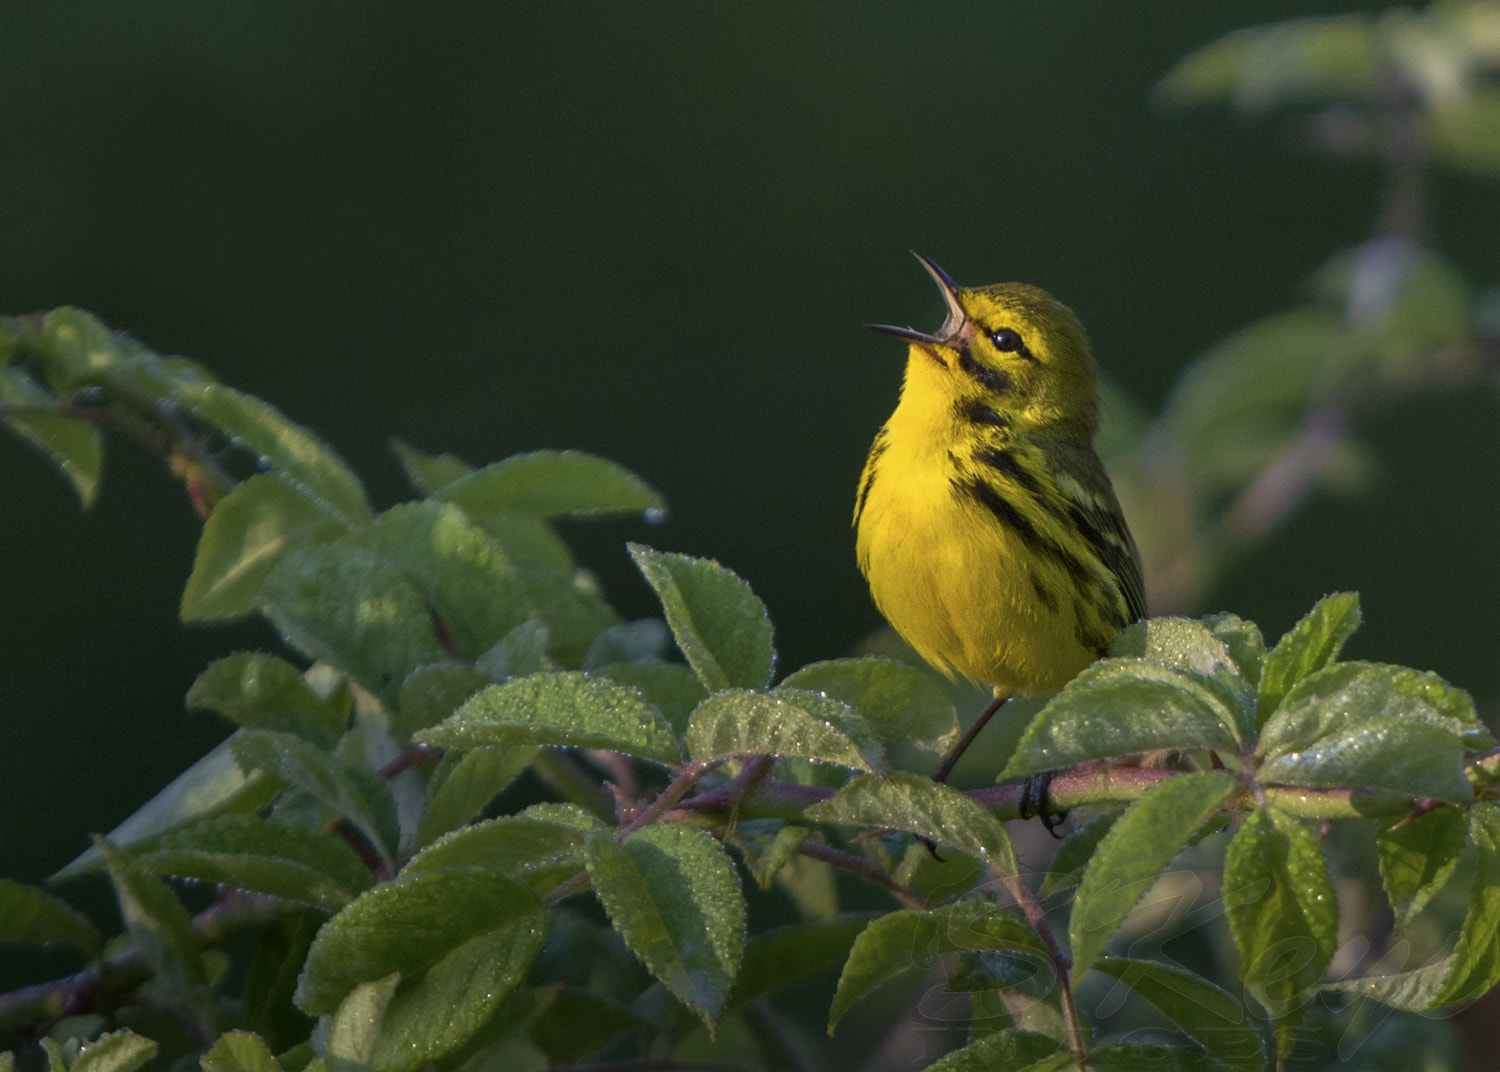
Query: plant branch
[(865, 869)]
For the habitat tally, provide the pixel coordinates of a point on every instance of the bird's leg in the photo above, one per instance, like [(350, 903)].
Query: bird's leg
[(946, 766)]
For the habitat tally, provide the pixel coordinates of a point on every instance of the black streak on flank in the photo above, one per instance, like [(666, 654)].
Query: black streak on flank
[(1004, 510), (991, 379), (1005, 463), (1048, 599), (976, 412), (876, 450)]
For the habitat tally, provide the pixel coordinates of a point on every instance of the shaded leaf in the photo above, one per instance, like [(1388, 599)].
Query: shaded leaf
[(901, 702), (1006, 1051), (521, 651), (1417, 857), (464, 784), (428, 473), (239, 1051), (720, 625), (75, 447), (781, 956), (35, 917), (1075, 852), (1130, 857), (787, 722), (1243, 641), (540, 846), (552, 483), (1208, 1015), (431, 693), (570, 709), (1194, 650), (260, 691), (1310, 645), (354, 1030), (671, 892), (1475, 968)]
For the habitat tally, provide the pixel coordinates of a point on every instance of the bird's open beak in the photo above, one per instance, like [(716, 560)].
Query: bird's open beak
[(955, 311)]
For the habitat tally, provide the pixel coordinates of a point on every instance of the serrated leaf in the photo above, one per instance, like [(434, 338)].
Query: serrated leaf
[(1366, 724), (358, 794), (464, 784), (250, 530), (672, 687), (1074, 853), (1417, 857), (1282, 914), (116, 1051), (908, 939), (1006, 1051), (260, 691), (787, 722), (239, 1051), (1208, 1015), (672, 894), (569, 709), (74, 446), (428, 473), (540, 846), (163, 932), (264, 856), (35, 917), (1476, 961), (214, 785), (1310, 645), (720, 625), (432, 693), (344, 606), (1196, 651), (903, 703), (461, 941), (552, 483), (1122, 707), (464, 578), (931, 810), (1132, 855)]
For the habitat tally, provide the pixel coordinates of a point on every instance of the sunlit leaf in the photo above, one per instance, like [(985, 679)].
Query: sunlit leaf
[(902, 703), (1210, 1016), (551, 483), (788, 722), (260, 691), (1310, 645)]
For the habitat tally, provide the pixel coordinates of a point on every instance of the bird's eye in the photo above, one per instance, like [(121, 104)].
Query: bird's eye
[(1006, 340)]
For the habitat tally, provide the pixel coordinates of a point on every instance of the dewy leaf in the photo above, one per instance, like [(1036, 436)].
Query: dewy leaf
[(239, 1051), (672, 687), (346, 607), (720, 624), (1417, 857), (249, 532), (1311, 644), (1476, 956), (464, 784), (1211, 1017), (1244, 642), (461, 941), (117, 1051), (903, 703), (1121, 707), (1366, 724), (1132, 855), (429, 473), (215, 785), (672, 894), (358, 794), (906, 940), (918, 805), (1194, 650), (569, 709), (1282, 914), (1008, 1050), (35, 917), (787, 722), (465, 579), (74, 446), (432, 693), (264, 856), (354, 1031), (260, 691), (552, 483), (541, 846)]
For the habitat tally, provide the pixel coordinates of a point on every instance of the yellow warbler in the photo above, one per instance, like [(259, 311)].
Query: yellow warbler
[(986, 525)]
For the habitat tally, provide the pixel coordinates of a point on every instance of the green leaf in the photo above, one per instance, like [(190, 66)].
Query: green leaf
[(1006, 1051), (908, 939), (1074, 853), (354, 1032), (1310, 645), (540, 846), (461, 941), (214, 785), (903, 703), (74, 446), (570, 709), (346, 607), (271, 979), (1211, 1017), (250, 530), (552, 483), (1132, 855), (1159, 1057), (778, 957), (260, 691), (1196, 651), (644, 640), (264, 856), (77, 348), (1417, 857), (465, 580), (1366, 724), (521, 651), (672, 687), (429, 473), (787, 722), (239, 1051), (720, 624), (35, 917), (577, 1023), (1282, 914), (672, 894), (918, 805), (464, 784), (432, 693), (116, 1051), (358, 794), (1121, 707), (160, 928), (1476, 956), (571, 608)]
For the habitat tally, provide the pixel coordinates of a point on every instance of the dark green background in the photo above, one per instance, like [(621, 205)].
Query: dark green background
[(652, 231)]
